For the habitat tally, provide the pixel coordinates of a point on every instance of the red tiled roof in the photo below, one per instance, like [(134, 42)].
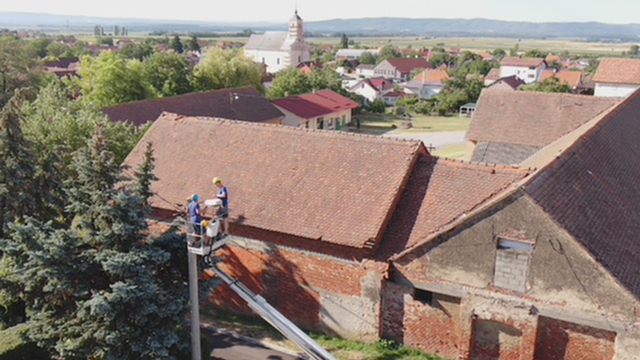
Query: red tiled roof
[(618, 71), (531, 118), (380, 83), (592, 191), (244, 104), (440, 192), (521, 61), (407, 65), (432, 76), (494, 74), (322, 185), (571, 78), (316, 104)]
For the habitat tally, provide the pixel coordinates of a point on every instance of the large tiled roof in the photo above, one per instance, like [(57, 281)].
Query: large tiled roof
[(440, 192), (521, 61), (512, 81), (500, 153), (323, 185), (432, 76), (571, 78), (407, 65), (244, 104), (316, 104), (494, 74), (592, 191), (618, 71), (531, 118), (269, 41)]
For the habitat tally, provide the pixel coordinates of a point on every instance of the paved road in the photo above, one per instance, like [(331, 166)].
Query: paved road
[(227, 347), (435, 139)]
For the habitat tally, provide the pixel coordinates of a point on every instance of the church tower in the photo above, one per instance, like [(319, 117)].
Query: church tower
[(296, 29)]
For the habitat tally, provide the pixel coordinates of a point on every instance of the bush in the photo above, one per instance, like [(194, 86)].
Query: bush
[(15, 345)]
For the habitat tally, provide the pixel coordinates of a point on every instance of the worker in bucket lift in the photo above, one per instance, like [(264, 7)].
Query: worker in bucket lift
[(195, 214), (223, 210)]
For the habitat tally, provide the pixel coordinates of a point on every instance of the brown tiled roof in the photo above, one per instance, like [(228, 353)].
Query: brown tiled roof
[(592, 191), (494, 74), (244, 104), (531, 118), (512, 81), (323, 185), (407, 65), (521, 61), (432, 76), (439, 192), (571, 78), (618, 71)]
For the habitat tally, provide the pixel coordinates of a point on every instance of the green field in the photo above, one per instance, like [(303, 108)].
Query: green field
[(382, 123)]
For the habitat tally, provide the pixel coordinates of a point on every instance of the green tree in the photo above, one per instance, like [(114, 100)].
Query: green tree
[(368, 58), (58, 127), (221, 69), (192, 44), (17, 192), (499, 54), (40, 45), (176, 45), (633, 50), (108, 41), (457, 91), (344, 42), (19, 68), (438, 58), (535, 53), (101, 288), (289, 82), (514, 50), (108, 80), (387, 52), (168, 73), (377, 106), (136, 51), (58, 50), (551, 84)]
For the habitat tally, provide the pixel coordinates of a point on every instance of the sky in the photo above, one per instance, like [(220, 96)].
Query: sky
[(279, 11)]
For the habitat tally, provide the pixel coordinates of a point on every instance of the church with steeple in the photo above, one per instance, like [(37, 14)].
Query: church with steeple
[(279, 50)]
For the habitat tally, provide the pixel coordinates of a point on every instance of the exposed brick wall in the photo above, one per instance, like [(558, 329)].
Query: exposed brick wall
[(494, 340), (290, 280), (561, 340)]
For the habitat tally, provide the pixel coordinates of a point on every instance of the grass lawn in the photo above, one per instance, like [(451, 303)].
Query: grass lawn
[(341, 349), (382, 123), (452, 152)]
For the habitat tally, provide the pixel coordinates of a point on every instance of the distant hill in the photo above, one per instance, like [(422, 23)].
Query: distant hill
[(352, 27)]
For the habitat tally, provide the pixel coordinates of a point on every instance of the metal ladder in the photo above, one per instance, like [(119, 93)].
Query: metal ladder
[(274, 317)]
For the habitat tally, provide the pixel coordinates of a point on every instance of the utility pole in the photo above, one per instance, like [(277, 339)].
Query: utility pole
[(195, 306)]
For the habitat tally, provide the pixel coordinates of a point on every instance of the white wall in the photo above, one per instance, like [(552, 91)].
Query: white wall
[(275, 60), (527, 75), (614, 90)]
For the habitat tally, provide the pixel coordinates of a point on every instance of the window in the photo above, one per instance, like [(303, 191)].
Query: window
[(531, 76), (263, 60), (299, 59), (320, 123), (448, 304), (278, 61), (513, 257)]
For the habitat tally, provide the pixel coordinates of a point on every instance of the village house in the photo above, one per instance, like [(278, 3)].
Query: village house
[(63, 67), (308, 66), (509, 127), (617, 77), (324, 109), (354, 54), (511, 83), (243, 103), (372, 88), (545, 270), (368, 237), (280, 50), (365, 70), (527, 69), (571, 78), (401, 68), (492, 76), (426, 84)]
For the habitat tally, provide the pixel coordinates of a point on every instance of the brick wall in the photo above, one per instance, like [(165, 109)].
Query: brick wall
[(561, 340), (295, 282), (493, 340)]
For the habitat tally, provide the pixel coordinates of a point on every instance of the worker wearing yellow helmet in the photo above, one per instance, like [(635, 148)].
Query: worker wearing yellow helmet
[(223, 211)]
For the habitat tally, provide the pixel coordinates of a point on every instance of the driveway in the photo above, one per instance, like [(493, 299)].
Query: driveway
[(227, 346), (431, 139)]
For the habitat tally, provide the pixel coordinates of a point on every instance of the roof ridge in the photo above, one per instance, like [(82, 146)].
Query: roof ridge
[(286, 128), (476, 164)]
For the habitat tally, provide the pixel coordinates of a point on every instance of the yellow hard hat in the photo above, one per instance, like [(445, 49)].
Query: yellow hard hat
[(217, 180), (205, 223)]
